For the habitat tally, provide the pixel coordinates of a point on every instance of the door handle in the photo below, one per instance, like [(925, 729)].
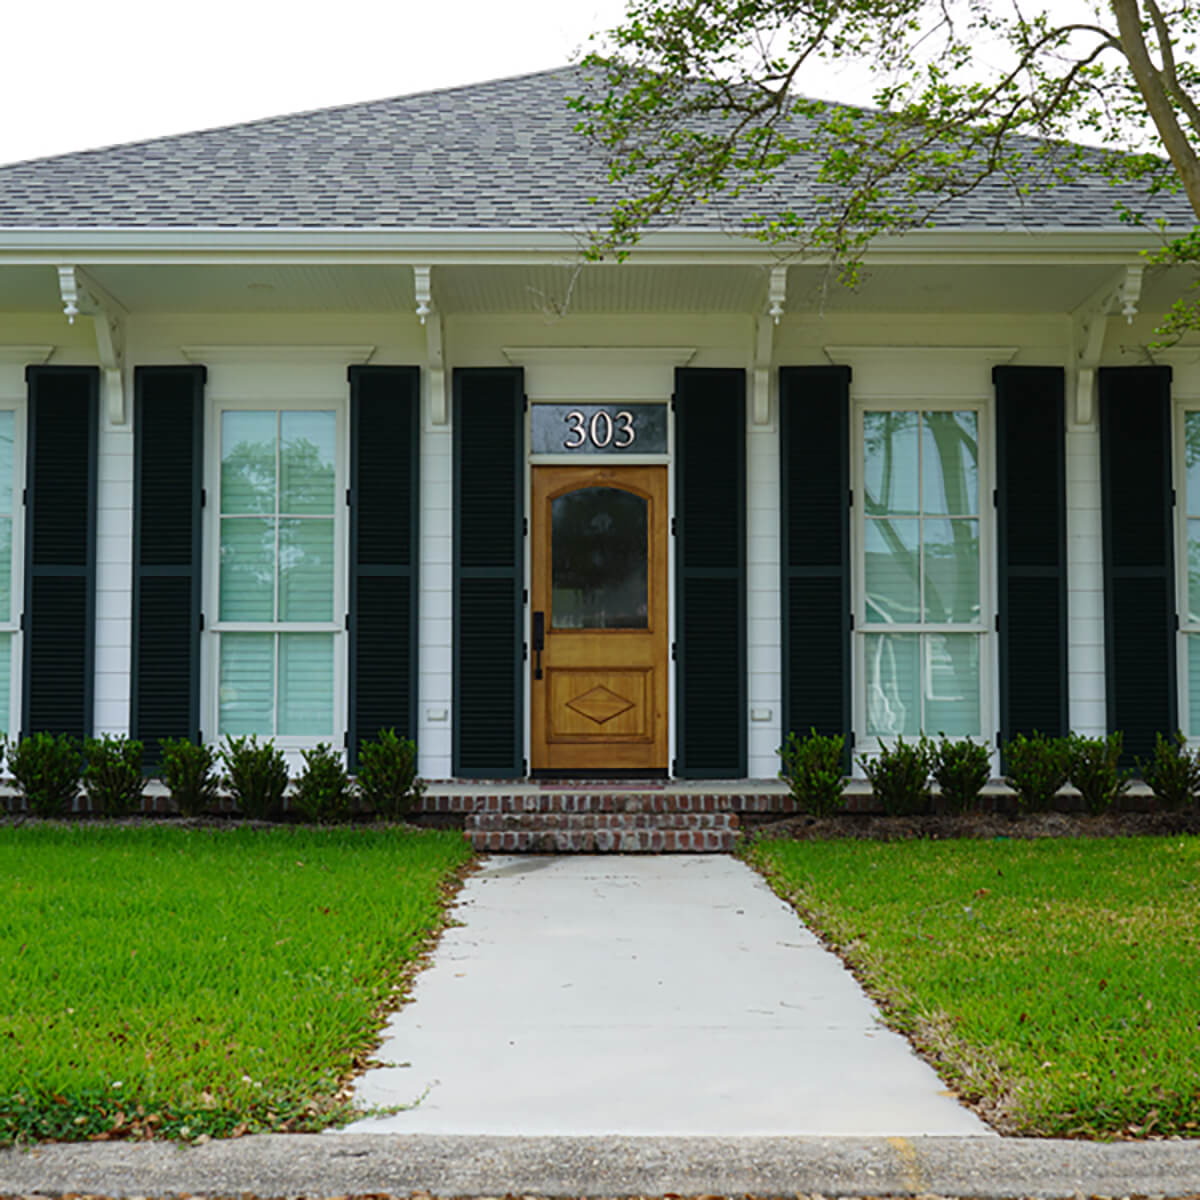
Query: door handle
[(539, 642)]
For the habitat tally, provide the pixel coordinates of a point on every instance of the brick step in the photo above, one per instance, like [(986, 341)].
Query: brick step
[(602, 832), (601, 820), (605, 802)]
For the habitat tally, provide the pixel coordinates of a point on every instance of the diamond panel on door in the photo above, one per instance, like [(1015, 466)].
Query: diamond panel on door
[(599, 704)]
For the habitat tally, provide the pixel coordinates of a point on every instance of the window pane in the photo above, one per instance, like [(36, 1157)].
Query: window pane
[(7, 424), (951, 683), (1191, 438), (1193, 568), (247, 695), (305, 570), (247, 569), (599, 548), (1193, 670), (950, 463), (306, 459), (5, 681), (893, 683), (890, 449), (951, 553), (248, 462), (892, 579), (306, 684), (6, 568)]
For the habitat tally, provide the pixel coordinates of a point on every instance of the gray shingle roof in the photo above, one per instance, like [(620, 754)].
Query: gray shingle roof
[(496, 155)]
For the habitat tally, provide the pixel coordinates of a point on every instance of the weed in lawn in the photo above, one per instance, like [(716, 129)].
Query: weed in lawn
[(215, 981), (1051, 982)]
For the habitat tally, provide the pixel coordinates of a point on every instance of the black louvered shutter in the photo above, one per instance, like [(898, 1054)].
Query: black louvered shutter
[(167, 483), (60, 550), (1139, 560), (488, 572), (1031, 547), (710, 572), (384, 456), (814, 432)]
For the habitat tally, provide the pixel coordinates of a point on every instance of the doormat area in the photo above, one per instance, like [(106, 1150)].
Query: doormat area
[(601, 785)]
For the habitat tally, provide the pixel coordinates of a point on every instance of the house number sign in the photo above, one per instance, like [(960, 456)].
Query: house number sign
[(599, 428)]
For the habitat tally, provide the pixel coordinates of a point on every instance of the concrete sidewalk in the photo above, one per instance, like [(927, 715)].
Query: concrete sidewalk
[(666, 995), (323, 1165)]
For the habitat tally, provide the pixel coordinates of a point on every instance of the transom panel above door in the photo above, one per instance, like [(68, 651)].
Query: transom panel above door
[(598, 671)]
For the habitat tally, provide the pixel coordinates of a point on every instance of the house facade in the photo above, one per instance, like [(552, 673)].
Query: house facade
[(321, 425)]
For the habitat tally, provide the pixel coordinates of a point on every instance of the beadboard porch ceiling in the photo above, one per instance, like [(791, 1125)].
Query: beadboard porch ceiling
[(563, 288)]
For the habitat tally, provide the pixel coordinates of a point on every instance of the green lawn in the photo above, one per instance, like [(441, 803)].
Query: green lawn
[(1056, 983), (205, 981)]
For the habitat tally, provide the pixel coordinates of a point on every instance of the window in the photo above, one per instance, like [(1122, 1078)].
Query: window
[(278, 593), (9, 574), (1190, 621), (920, 622)]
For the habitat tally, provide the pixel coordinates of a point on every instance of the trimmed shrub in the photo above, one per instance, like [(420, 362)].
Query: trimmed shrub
[(1172, 773), (112, 776), (1036, 767), (323, 789), (1094, 770), (188, 774), (899, 776), (814, 769), (960, 769), (387, 773), (256, 775), (46, 769)]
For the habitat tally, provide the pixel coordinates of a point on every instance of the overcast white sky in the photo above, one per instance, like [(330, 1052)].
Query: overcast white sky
[(78, 73)]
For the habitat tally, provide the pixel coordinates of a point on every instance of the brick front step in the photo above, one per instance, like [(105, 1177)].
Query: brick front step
[(468, 804), (602, 832), (603, 841), (489, 822)]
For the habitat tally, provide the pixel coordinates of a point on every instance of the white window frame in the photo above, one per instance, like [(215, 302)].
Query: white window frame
[(1186, 628), (12, 626), (214, 627), (984, 628)]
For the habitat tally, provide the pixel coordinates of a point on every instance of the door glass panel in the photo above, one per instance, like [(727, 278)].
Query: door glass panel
[(598, 560)]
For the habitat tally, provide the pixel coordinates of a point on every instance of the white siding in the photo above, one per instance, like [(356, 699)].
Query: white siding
[(114, 569), (762, 600), (435, 627), (1085, 583)]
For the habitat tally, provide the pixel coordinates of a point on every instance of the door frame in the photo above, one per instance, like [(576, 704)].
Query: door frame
[(602, 460)]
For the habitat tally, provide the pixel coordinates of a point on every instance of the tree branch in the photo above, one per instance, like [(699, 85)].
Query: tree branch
[(1158, 103)]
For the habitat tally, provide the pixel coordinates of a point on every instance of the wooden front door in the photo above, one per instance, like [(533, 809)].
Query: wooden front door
[(599, 678)]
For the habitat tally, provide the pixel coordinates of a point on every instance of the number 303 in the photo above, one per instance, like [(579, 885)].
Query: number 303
[(601, 431)]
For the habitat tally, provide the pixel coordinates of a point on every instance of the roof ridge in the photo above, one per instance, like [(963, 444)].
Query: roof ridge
[(160, 139)]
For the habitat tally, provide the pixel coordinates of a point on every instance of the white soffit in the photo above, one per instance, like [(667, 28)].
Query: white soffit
[(599, 373)]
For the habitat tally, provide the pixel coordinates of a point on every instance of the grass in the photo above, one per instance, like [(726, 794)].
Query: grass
[(1054, 983), (190, 983)]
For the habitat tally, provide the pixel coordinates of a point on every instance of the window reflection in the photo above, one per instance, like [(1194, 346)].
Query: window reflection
[(598, 560)]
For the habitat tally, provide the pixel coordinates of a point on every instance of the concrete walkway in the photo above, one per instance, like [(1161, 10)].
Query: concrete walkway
[(670, 995)]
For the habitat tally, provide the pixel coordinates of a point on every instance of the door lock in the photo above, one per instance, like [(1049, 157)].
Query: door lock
[(539, 642)]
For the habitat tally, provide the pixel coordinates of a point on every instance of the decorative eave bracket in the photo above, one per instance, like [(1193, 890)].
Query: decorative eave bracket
[(435, 365), (1091, 326), (764, 347), (83, 296)]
